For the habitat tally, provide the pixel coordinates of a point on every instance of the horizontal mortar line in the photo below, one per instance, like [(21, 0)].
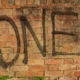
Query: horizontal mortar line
[(53, 5), (63, 33), (63, 53), (64, 13)]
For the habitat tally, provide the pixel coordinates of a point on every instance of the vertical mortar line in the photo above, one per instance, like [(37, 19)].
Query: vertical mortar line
[(53, 34), (44, 32), (53, 1), (20, 2), (77, 34), (65, 1), (26, 2), (33, 1), (59, 1), (14, 2)]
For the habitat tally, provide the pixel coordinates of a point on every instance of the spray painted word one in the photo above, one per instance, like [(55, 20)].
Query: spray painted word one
[(25, 24)]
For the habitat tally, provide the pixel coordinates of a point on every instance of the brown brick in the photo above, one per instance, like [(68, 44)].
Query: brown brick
[(56, 1), (36, 56), (35, 62), (3, 44), (68, 56), (49, 1), (23, 2), (67, 23), (53, 73), (38, 68), (68, 73), (20, 74), (33, 43), (17, 2), (0, 3), (53, 61), (77, 73), (62, 1), (19, 63), (7, 12), (78, 67), (53, 67), (67, 78), (76, 22), (69, 1), (21, 56), (4, 2), (43, 1), (77, 61), (4, 31), (11, 2), (19, 68), (67, 67), (5, 57), (75, 1), (39, 36), (68, 61), (12, 44), (37, 2), (66, 17), (7, 50), (30, 1), (30, 74), (7, 73)]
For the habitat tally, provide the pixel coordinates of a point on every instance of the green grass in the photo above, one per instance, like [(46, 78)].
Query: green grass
[(55, 79), (38, 78), (33, 78), (4, 77)]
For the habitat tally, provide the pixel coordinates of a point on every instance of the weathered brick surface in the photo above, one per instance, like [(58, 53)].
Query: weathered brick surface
[(31, 73), (53, 73), (50, 24)]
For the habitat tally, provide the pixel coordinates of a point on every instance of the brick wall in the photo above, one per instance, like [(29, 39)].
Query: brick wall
[(40, 38)]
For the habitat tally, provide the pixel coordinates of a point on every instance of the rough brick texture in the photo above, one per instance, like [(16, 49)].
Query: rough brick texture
[(29, 29)]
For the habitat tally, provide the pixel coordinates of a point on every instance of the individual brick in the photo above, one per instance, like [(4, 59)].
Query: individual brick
[(31, 74), (68, 1), (68, 61), (75, 1), (77, 61), (43, 1), (30, 2), (19, 68), (7, 50), (0, 3), (53, 73), (37, 68), (56, 1), (53, 61), (11, 2), (67, 67), (68, 73), (53, 67), (17, 2), (7, 73), (23, 2), (68, 78), (77, 73), (37, 2), (62, 1), (35, 62), (49, 1), (4, 2), (20, 74)]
